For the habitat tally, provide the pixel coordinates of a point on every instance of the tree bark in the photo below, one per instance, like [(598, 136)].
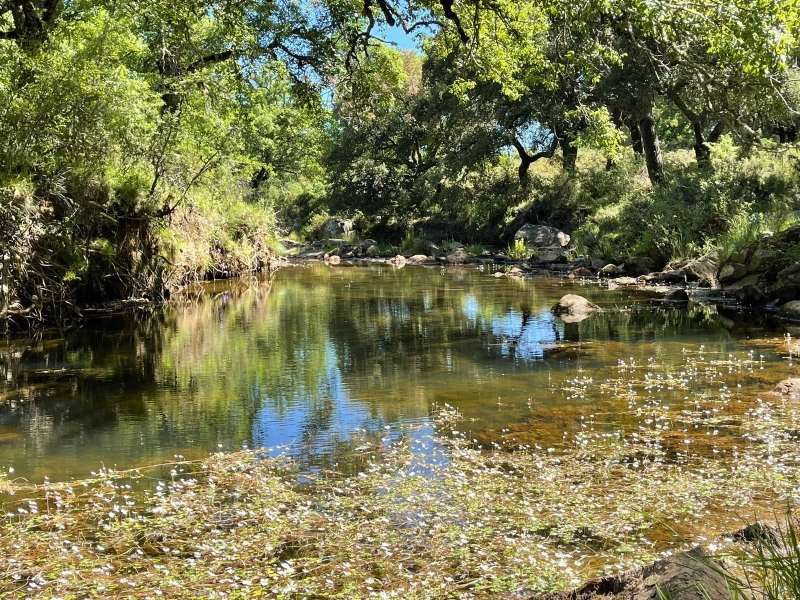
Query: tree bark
[(569, 152), (702, 151), (636, 136), (650, 143), (33, 20), (526, 160)]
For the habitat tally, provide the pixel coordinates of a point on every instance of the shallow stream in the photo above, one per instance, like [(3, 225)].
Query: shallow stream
[(320, 357)]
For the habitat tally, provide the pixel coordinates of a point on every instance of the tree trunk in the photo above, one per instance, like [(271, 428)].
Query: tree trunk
[(33, 20), (619, 121), (569, 151), (526, 160), (650, 144), (701, 150), (636, 136)]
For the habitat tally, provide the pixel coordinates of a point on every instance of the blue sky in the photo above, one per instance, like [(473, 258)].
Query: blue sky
[(397, 36)]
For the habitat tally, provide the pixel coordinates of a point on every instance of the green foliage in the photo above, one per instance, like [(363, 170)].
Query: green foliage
[(122, 121), (415, 244), (518, 250), (690, 213), (135, 126)]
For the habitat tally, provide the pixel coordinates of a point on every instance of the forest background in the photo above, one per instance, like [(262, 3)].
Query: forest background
[(147, 145)]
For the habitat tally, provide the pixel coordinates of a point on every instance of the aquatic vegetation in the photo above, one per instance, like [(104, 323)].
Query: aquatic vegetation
[(431, 515)]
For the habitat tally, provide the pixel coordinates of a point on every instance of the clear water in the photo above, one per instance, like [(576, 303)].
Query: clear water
[(305, 361)]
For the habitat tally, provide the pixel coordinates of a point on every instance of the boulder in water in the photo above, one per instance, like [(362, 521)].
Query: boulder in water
[(573, 308)]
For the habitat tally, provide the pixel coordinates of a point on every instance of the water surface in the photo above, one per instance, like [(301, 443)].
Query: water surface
[(305, 361)]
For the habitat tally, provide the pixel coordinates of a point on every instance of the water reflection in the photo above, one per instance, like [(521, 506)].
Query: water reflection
[(307, 359)]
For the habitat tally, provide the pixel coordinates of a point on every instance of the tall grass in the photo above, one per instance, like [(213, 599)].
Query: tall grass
[(768, 568)]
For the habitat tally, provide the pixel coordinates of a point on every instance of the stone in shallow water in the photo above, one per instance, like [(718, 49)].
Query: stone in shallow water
[(692, 575), (610, 270), (790, 310), (398, 261), (581, 272), (573, 305), (458, 256), (680, 296), (703, 270), (788, 387)]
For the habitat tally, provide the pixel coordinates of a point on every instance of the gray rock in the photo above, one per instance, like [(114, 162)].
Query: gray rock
[(733, 271), (748, 290), (541, 236), (598, 263), (398, 261), (610, 270), (419, 258), (786, 290), (337, 227), (739, 256), (678, 296), (581, 272), (667, 277), (692, 575), (790, 236), (458, 256), (573, 308), (554, 254), (790, 311), (626, 281), (788, 387), (368, 242), (562, 268), (759, 261), (742, 283), (703, 270), (640, 262), (789, 271)]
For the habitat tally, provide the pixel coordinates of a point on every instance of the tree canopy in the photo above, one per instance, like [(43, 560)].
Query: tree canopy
[(133, 111)]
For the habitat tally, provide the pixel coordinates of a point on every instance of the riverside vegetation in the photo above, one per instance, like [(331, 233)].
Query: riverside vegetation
[(148, 145)]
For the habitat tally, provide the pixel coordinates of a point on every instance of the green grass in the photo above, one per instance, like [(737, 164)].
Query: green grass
[(519, 250), (475, 249), (415, 245)]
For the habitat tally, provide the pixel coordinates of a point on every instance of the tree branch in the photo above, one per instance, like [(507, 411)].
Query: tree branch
[(211, 59), (451, 15)]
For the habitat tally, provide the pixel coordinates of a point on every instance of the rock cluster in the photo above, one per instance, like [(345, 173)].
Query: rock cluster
[(546, 243), (767, 270)]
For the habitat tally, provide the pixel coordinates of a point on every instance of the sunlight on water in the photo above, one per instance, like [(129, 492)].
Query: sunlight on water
[(303, 362)]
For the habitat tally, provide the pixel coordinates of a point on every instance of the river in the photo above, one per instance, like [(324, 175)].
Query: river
[(318, 357)]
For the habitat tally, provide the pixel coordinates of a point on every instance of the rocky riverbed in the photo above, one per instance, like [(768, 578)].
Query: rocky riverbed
[(765, 273)]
